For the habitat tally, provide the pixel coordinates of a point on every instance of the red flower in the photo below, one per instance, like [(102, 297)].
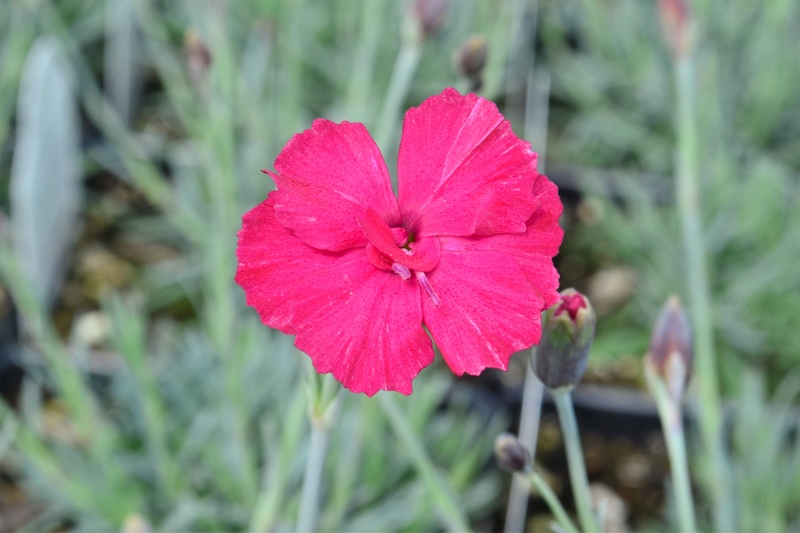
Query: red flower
[(333, 257)]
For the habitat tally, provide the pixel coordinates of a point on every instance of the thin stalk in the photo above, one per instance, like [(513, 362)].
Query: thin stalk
[(324, 395), (130, 340), (405, 67), (688, 195), (77, 397), (439, 489), (672, 424), (528, 429), (676, 447), (359, 89), (577, 468), (7, 434), (552, 501), (280, 456), (312, 480)]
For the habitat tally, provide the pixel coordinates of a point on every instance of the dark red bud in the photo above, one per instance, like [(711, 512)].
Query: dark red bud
[(431, 15), (676, 23), (198, 56), (510, 454), (671, 351), (471, 57)]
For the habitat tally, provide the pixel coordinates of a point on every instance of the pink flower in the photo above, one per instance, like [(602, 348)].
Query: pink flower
[(465, 249)]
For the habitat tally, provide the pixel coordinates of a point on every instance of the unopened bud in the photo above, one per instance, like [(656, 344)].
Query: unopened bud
[(671, 352), (198, 57), (431, 15), (567, 335), (510, 454), (471, 57), (676, 23)]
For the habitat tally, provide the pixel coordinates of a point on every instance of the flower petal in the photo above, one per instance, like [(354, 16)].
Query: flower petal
[(550, 207), (362, 324), (488, 309), (461, 169), (328, 175), (541, 241), (533, 250), (271, 262)]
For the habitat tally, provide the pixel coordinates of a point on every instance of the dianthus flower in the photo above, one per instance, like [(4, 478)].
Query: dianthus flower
[(355, 272)]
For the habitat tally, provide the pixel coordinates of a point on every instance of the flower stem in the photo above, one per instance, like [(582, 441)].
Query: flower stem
[(528, 429), (280, 457), (324, 396), (312, 480), (688, 195), (577, 469), (672, 424), (439, 489), (405, 67), (552, 501)]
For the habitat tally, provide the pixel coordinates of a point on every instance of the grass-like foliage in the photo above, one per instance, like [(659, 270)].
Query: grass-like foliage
[(193, 416)]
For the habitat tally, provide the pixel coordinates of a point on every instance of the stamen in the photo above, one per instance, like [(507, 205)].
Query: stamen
[(403, 270), (428, 288)]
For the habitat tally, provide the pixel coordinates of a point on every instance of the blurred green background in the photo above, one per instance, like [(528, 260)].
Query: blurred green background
[(132, 133)]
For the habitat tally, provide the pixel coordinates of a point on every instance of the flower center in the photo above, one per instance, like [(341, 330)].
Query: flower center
[(391, 249), (387, 247)]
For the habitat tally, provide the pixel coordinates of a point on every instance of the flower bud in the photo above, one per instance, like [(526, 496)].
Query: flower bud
[(567, 335), (676, 23), (671, 352), (431, 15), (471, 57), (510, 454), (197, 55)]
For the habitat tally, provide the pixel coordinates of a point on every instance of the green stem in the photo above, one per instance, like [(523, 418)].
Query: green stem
[(577, 468), (359, 90), (405, 67), (324, 395), (280, 457), (73, 390), (552, 501), (312, 481), (7, 433), (688, 195), (676, 447), (528, 429), (440, 490), (672, 423)]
